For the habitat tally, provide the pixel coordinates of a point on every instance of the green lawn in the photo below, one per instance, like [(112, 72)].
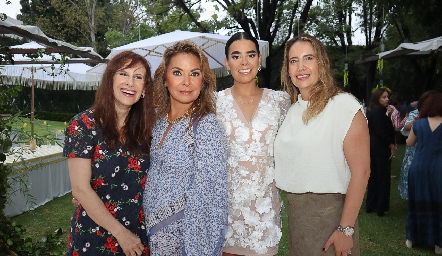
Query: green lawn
[(378, 235), (45, 131)]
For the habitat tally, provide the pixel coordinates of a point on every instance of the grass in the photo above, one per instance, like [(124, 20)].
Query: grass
[(40, 126), (378, 235), (44, 130)]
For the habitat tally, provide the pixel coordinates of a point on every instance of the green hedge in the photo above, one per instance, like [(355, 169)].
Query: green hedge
[(52, 116)]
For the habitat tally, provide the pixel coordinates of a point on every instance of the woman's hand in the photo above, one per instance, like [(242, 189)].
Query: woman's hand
[(75, 202), (80, 176), (393, 151), (390, 110), (342, 243), (130, 243)]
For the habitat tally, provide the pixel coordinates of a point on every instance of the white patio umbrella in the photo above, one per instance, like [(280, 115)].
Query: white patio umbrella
[(71, 76), (153, 48)]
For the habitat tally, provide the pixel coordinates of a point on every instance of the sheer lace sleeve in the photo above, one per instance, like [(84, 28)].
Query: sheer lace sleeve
[(284, 105)]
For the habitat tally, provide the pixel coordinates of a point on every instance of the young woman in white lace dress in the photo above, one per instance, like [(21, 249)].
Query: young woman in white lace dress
[(251, 117)]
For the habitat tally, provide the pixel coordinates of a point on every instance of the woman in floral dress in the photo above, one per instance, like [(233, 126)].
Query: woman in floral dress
[(107, 148), (250, 116)]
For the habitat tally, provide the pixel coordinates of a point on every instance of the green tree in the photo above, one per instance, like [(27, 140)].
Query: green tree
[(409, 21), (80, 22), (274, 21)]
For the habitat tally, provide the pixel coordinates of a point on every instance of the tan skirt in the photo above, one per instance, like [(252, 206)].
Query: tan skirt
[(312, 219)]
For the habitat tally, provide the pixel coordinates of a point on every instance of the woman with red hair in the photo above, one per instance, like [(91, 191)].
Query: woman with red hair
[(424, 223)]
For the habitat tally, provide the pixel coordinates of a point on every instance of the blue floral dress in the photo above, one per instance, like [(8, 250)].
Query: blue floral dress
[(186, 199), (408, 157), (118, 178)]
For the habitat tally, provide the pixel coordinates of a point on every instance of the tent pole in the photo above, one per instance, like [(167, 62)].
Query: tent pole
[(32, 103)]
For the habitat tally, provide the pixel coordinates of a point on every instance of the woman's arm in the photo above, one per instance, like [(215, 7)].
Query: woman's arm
[(412, 139), (80, 175), (410, 120), (357, 152)]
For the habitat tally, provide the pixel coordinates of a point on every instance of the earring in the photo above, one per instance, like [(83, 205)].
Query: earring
[(259, 68), (165, 85), (142, 95), (228, 72)]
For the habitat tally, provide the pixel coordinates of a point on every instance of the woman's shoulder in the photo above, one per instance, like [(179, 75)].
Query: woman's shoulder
[(346, 100), (276, 92), (222, 92), (280, 96), (87, 114), (346, 97), (209, 120)]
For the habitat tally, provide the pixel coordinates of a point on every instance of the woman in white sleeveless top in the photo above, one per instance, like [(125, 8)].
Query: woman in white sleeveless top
[(322, 154)]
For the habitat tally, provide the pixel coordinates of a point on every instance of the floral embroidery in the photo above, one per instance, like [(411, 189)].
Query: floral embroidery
[(254, 211)]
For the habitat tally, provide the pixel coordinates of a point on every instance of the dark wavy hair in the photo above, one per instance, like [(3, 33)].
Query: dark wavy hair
[(423, 97), (205, 103), (374, 100), (324, 89), (238, 36), (432, 106), (137, 129)]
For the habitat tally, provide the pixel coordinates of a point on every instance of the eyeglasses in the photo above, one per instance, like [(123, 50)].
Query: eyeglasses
[(306, 60)]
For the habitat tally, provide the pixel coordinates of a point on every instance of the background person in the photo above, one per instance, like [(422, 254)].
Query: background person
[(397, 117), (251, 117), (108, 155), (424, 225), (382, 150), (186, 196), (409, 151), (321, 154)]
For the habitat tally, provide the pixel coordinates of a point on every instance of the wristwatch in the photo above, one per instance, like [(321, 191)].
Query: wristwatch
[(348, 231)]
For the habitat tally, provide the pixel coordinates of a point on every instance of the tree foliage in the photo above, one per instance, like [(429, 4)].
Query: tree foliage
[(383, 23), (80, 22)]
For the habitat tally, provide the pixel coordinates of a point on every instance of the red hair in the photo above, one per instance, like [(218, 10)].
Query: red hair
[(432, 106), (137, 129)]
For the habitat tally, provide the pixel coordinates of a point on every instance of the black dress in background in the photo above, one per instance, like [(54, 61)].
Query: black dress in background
[(381, 136)]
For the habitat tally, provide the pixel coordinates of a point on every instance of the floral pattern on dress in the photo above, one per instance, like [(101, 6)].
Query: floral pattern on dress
[(190, 180), (118, 178), (255, 205), (406, 162)]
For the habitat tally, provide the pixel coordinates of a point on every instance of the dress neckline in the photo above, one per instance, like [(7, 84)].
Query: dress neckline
[(249, 122)]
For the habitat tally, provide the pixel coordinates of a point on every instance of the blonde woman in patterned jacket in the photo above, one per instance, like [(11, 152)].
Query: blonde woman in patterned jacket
[(251, 117)]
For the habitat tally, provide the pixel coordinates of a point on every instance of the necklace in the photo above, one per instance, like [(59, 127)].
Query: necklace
[(245, 102), (186, 114)]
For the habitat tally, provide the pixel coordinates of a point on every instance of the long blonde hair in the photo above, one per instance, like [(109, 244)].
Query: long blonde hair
[(205, 103), (323, 90)]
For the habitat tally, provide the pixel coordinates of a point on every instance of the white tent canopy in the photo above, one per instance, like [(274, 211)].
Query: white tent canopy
[(211, 44), (419, 49), (410, 49), (34, 33), (71, 76)]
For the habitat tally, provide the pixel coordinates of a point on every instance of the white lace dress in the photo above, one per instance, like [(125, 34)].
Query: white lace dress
[(254, 202)]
